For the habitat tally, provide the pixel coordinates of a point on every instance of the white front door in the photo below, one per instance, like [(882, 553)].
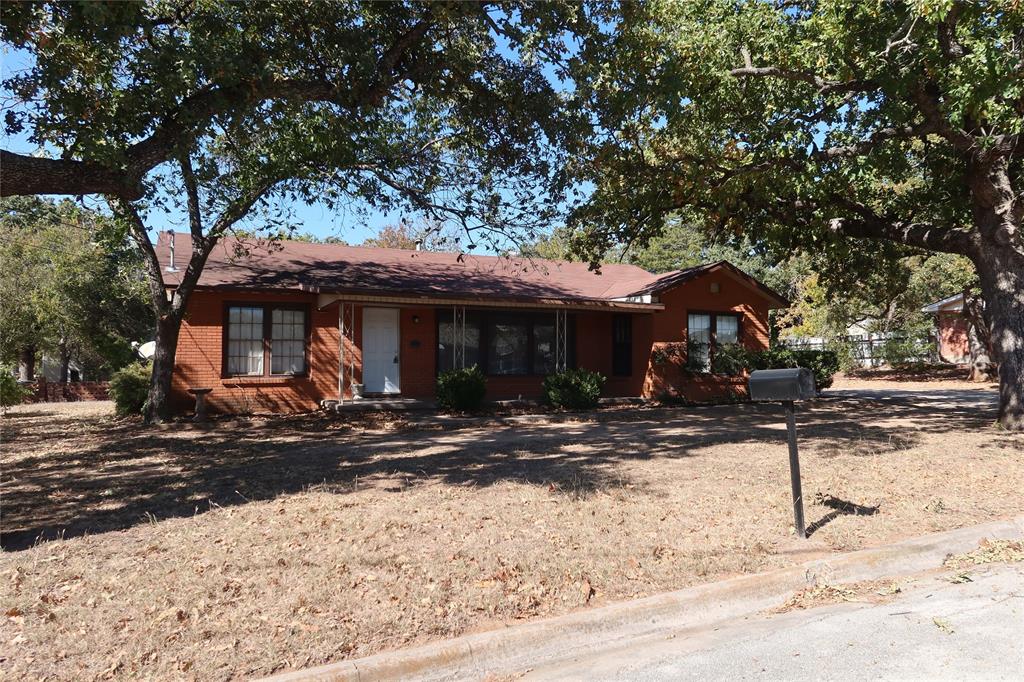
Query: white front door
[(380, 350)]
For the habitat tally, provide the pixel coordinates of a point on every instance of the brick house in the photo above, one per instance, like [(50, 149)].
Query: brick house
[(951, 329), (284, 328)]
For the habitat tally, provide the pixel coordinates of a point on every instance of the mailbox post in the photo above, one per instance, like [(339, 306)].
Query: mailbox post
[(787, 386)]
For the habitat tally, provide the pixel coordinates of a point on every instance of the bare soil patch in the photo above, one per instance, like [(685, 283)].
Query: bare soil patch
[(910, 378), (254, 547)]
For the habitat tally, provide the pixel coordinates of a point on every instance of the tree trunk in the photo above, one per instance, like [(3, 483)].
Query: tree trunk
[(27, 364), (979, 340), (158, 405), (65, 361), (1001, 270)]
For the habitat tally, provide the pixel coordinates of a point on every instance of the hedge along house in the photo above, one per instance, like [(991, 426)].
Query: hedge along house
[(286, 327)]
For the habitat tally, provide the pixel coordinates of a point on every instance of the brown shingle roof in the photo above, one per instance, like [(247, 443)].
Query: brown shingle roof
[(336, 268)]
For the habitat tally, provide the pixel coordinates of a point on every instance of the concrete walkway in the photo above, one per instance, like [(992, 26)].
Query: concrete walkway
[(935, 630)]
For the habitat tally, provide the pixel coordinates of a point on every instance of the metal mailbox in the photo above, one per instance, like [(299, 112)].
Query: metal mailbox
[(796, 383), (786, 386)]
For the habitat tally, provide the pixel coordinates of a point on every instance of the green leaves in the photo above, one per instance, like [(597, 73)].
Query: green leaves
[(773, 122), (69, 280)]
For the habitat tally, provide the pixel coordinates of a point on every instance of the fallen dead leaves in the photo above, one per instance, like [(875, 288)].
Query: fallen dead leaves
[(293, 545), (988, 552), (871, 591)]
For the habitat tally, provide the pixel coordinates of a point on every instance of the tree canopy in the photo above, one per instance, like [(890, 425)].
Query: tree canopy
[(214, 109), (860, 130), (70, 284)]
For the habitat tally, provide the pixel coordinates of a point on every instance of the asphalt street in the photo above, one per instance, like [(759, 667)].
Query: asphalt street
[(934, 630)]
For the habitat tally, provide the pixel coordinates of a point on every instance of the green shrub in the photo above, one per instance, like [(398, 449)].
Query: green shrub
[(904, 351), (846, 353), (129, 388), (461, 390), (823, 363), (576, 389), (731, 359), (669, 353), (11, 392)]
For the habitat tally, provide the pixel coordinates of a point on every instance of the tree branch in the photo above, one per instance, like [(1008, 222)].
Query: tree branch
[(824, 85), (232, 213), (195, 217), (23, 174), (154, 275), (920, 235), (872, 141)]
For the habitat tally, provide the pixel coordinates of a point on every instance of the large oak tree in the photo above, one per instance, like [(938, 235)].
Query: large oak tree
[(859, 130), (217, 109)]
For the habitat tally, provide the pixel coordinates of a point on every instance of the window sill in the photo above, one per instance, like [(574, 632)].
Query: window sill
[(261, 380)]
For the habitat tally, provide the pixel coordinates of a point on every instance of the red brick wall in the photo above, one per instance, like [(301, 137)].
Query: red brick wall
[(419, 352), (198, 363), (199, 356), (953, 343), (55, 392), (669, 329)]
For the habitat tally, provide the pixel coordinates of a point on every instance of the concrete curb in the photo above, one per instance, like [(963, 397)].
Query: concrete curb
[(518, 648)]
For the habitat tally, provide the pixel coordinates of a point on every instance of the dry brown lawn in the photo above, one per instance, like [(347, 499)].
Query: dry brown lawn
[(925, 378), (254, 547)]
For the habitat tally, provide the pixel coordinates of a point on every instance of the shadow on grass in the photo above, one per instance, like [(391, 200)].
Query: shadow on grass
[(839, 508), (64, 477)]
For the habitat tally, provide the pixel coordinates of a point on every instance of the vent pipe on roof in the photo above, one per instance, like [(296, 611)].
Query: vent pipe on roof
[(419, 244), (170, 266)]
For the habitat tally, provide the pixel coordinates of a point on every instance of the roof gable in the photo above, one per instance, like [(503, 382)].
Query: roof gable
[(670, 280)]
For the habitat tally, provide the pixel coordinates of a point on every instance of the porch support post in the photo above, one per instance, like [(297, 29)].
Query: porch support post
[(561, 341), (346, 324), (459, 337), (341, 352)]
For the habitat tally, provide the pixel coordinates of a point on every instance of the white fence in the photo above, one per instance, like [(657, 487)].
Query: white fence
[(869, 350)]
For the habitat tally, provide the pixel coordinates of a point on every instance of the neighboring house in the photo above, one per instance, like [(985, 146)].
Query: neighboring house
[(951, 328), (287, 327), (49, 369)]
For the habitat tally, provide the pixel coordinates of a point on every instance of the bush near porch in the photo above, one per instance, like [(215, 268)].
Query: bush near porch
[(461, 390), (574, 389)]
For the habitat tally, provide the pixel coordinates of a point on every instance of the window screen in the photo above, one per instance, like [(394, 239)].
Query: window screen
[(288, 341), (245, 340), (727, 329), (504, 343), (507, 347), (543, 347), (446, 344), (699, 341)]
